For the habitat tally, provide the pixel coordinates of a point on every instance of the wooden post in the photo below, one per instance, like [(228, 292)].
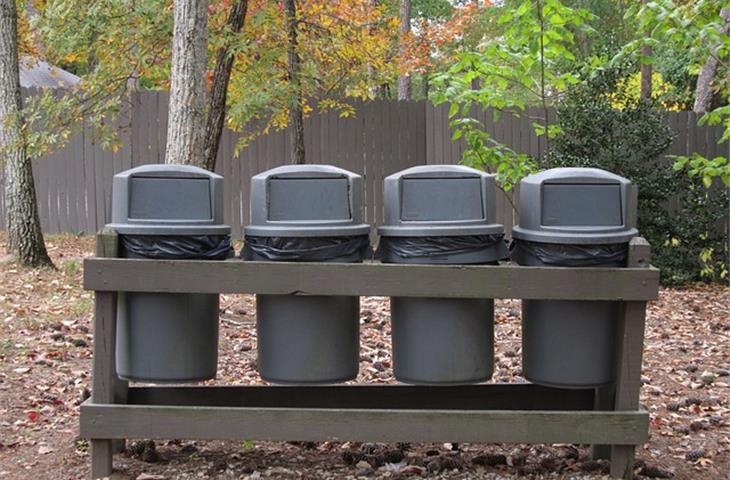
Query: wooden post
[(603, 401), (107, 388), (628, 381)]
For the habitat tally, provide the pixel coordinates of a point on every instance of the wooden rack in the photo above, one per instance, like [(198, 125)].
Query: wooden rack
[(607, 418)]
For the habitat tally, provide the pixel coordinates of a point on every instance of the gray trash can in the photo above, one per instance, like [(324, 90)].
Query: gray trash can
[(441, 214), (573, 217), (168, 212), (307, 213)]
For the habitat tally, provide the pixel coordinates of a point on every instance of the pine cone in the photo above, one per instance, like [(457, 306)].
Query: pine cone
[(696, 454)]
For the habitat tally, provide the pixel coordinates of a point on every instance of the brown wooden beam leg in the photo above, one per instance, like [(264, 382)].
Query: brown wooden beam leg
[(121, 388), (101, 458), (104, 376), (631, 350), (629, 381), (603, 401), (622, 461), (107, 245)]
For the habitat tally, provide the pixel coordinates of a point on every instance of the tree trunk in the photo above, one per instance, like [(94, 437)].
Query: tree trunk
[(186, 124), (404, 81), (646, 70), (25, 239), (217, 103), (703, 89), (296, 112)]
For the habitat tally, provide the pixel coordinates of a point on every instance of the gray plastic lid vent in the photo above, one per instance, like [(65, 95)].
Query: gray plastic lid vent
[(168, 200), (439, 200), (306, 201), (293, 199), (577, 206)]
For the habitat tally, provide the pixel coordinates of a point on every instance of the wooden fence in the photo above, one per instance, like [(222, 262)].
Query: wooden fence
[(74, 184)]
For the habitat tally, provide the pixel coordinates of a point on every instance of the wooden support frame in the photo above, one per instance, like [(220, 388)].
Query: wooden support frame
[(106, 388), (610, 418)]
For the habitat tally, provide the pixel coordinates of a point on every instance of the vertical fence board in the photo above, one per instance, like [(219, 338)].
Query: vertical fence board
[(54, 194), (140, 128), (163, 101), (89, 181), (429, 117), (40, 177), (79, 219)]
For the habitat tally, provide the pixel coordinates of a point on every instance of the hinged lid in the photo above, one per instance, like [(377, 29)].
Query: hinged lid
[(306, 200), (439, 200), (576, 205), (168, 200)]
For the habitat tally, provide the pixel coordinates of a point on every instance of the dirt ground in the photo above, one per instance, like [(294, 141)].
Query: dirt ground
[(45, 351)]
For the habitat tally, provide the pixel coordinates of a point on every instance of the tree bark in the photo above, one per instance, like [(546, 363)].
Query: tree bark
[(404, 81), (186, 124), (25, 239), (296, 112), (703, 89), (219, 92), (646, 70)]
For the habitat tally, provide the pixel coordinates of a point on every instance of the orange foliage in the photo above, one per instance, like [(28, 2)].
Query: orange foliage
[(429, 40)]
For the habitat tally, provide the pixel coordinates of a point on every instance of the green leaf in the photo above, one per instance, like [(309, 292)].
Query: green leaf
[(453, 109)]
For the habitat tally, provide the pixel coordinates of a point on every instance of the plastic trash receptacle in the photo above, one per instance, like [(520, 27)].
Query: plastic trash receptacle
[(309, 213), (168, 212), (441, 214), (572, 217)]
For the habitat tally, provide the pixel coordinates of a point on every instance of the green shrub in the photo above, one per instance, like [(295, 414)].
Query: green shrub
[(683, 223)]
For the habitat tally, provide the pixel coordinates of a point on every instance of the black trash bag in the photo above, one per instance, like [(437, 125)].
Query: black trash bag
[(177, 247), (560, 255), (418, 247), (307, 249)]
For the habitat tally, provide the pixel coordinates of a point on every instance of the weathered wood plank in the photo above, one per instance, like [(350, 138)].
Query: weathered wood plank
[(367, 396), (445, 281), (104, 320), (103, 374), (321, 424), (89, 180), (78, 171), (630, 353), (604, 400), (106, 384), (107, 243), (101, 459)]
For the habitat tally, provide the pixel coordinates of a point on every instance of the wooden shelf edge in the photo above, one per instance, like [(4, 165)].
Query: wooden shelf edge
[(377, 425), (364, 279)]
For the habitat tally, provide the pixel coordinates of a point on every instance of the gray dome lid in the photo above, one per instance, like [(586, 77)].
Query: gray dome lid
[(576, 206), (306, 201), (439, 200), (168, 200)]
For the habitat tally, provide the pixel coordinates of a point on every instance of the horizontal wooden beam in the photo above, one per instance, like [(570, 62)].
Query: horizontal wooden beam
[(499, 396), (321, 424), (371, 278)]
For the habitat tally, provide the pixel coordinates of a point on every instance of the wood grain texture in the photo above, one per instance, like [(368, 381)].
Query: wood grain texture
[(321, 424), (630, 353), (103, 385), (106, 383), (444, 281), (101, 458)]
